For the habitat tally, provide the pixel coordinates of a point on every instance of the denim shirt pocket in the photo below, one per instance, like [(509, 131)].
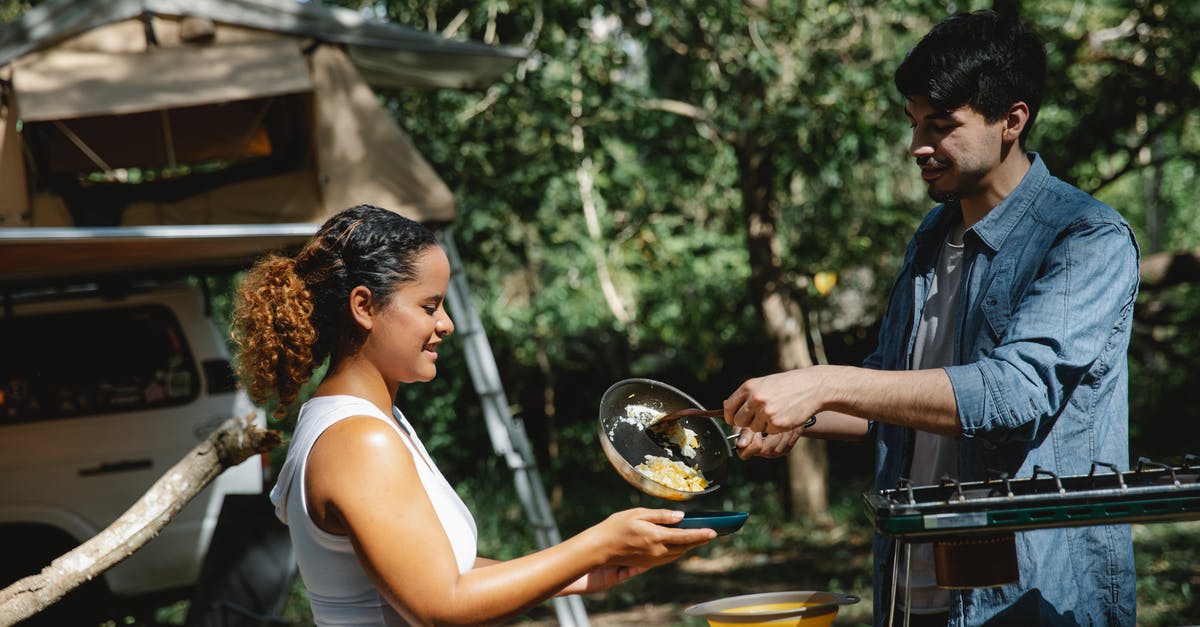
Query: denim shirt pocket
[(997, 301)]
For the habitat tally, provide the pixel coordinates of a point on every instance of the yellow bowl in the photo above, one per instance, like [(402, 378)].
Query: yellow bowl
[(775, 609)]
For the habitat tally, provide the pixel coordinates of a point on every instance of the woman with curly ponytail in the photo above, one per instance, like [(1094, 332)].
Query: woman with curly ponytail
[(379, 535)]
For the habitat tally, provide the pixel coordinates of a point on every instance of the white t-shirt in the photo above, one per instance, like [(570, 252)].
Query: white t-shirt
[(338, 588), (934, 456)]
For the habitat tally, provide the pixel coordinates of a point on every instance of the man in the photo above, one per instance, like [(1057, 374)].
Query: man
[(1003, 345)]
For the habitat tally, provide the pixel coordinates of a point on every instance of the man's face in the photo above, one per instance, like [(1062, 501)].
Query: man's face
[(956, 150)]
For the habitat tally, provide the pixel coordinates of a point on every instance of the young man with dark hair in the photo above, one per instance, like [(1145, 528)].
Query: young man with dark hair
[(1004, 341)]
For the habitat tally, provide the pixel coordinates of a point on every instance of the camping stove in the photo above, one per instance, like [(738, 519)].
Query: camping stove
[(972, 524)]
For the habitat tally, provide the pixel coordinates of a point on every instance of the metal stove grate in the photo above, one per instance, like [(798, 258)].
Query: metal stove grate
[(1151, 492)]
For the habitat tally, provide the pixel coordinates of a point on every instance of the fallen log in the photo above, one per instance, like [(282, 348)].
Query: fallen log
[(236, 440)]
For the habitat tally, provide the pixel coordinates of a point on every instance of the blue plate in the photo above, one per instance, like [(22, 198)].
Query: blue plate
[(724, 523)]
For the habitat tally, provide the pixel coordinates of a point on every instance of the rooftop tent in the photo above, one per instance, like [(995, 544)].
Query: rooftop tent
[(137, 112), (388, 54)]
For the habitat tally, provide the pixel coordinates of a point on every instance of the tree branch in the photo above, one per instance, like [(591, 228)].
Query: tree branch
[(235, 441), (1151, 135), (685, 109), (678, 107), (1132, 164), (1098, 39), (587, 198)]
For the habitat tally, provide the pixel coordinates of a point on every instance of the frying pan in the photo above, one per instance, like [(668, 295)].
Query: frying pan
[(626, 445)]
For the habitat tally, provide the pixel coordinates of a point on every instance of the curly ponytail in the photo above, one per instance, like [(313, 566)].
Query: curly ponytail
[(291, 314), (272, 326)]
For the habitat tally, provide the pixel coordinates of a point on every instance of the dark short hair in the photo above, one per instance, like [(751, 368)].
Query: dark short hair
[(984, 60)]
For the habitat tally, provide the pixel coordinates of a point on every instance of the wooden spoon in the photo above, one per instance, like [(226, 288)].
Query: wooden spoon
[(711, 413), (684, 413)]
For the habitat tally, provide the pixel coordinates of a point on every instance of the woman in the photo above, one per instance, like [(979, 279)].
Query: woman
[(379, 535)]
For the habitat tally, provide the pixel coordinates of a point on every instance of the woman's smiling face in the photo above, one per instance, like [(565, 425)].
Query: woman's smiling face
[(407, 330)]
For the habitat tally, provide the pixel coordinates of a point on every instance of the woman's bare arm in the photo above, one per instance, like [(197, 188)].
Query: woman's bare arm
[(362, 482)]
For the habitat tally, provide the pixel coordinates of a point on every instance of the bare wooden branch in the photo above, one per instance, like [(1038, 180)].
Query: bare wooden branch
[(493, 94), (459, 19), (235, 441), (1098, 39), (704, 119), (678, 107)]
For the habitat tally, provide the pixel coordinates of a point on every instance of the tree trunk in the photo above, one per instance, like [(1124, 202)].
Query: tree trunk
[(233, 443), (783, 319), (1167, 269), (1151, 175), (549, 410)]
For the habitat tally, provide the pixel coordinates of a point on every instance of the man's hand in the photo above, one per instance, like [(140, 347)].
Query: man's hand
[(754, 444), (777, 403), (845, 397)]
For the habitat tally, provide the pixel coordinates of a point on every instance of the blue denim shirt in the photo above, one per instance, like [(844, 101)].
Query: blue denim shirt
[(1040, 376)]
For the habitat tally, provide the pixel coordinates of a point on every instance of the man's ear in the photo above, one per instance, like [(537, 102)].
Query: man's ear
[(361, 307), (1015, 121)]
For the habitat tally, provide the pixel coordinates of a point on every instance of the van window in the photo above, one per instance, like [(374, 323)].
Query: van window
[(93, 362)]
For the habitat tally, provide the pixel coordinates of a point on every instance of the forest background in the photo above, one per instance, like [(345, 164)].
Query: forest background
[(701, 192)]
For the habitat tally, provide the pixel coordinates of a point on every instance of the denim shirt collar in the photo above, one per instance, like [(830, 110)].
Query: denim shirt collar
[(995, 227)]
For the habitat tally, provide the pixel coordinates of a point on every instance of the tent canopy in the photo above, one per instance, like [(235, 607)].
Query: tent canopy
[(172, 112), (386, 54), (120, 114), (71, 84)]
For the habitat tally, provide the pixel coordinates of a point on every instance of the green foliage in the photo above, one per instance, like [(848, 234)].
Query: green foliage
[(657, 107), (1167, 578), (669, 230), (1164, 360), (1126, 98), (12, 9), (649, 114)]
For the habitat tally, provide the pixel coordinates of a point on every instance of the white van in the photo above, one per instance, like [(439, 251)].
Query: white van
[(102, 389)]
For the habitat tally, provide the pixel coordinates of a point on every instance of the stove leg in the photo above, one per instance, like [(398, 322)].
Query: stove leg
[(907, 582), (895, 576)]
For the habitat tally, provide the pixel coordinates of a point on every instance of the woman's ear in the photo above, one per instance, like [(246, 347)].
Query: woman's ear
[(361, 306)]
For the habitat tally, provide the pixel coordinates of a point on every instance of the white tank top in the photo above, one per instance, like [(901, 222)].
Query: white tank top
[(338, 588)]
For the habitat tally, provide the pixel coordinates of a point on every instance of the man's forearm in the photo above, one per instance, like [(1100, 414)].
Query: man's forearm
[(920, 399), (833, 425), (785, 401)]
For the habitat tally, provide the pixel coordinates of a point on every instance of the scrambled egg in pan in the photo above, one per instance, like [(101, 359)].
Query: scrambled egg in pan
[(673, 474), (682, 437)]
